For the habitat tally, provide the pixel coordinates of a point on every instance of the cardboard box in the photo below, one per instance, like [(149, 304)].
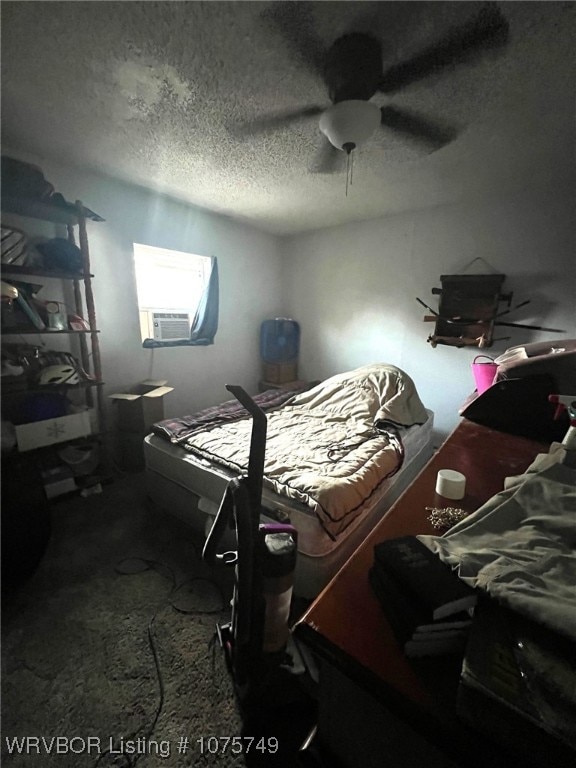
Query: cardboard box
[(58, 430), (138, 409), (279, 373)]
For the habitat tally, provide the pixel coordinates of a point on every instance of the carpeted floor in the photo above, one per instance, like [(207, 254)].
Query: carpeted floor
[(119, 586)]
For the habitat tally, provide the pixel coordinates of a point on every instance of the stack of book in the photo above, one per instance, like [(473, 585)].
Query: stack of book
[(427, 605)]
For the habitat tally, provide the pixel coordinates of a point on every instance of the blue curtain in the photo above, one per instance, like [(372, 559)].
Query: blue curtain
[(205, 323)]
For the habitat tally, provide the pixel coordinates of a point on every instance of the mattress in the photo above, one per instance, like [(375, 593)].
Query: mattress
[(191, 487)]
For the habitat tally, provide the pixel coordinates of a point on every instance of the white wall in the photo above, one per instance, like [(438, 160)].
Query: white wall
[(353, 288), (249, 271)]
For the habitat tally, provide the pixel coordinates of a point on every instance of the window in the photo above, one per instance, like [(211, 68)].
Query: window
[(177, 296)]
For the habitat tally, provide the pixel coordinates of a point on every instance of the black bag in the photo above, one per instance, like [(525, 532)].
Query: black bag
[(520, 407)]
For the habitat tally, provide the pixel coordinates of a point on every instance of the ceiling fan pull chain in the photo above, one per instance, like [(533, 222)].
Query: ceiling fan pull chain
[(349, 166), (351, 156)]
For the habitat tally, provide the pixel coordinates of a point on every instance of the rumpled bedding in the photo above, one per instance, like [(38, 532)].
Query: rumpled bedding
[(521, 545), (329, 448), (179, 429)]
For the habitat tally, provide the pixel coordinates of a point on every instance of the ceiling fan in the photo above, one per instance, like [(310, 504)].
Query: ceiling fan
[(353, 72)]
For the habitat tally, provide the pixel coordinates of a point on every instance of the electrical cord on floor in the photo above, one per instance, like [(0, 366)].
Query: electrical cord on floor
[(131, 566)]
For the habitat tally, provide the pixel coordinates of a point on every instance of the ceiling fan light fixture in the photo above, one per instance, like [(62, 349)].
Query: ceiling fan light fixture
[(349, 124)]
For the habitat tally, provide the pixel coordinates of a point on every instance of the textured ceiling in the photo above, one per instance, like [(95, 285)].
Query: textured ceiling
[(149, 91)]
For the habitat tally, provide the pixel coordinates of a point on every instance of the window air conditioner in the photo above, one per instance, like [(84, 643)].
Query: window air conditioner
[(167, 326)]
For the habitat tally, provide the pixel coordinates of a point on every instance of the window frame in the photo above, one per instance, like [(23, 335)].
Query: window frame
[(203, 317)]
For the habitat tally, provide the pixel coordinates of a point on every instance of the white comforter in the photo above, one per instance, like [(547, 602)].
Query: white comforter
[(322, 447)]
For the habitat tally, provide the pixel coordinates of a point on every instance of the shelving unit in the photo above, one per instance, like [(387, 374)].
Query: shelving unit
[(73, 217), (27, 331)]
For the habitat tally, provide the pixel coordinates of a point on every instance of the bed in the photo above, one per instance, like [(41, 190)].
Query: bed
[(337, 455)]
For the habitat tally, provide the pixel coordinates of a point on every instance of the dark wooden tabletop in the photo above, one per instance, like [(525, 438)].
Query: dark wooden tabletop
[(346, 620)]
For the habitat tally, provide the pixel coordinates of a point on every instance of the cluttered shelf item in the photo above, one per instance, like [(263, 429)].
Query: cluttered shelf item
[(53, 391), (46, 397), (329, 475)]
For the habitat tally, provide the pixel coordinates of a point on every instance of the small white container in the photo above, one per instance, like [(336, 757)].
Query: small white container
[(451, 484)]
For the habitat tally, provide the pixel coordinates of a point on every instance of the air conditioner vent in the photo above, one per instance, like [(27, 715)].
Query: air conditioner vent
[(168, 326)]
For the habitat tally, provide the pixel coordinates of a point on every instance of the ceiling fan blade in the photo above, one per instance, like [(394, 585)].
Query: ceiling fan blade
[(488, 30), (295, 23), (328, 159), (415, 127), (274, 121)]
